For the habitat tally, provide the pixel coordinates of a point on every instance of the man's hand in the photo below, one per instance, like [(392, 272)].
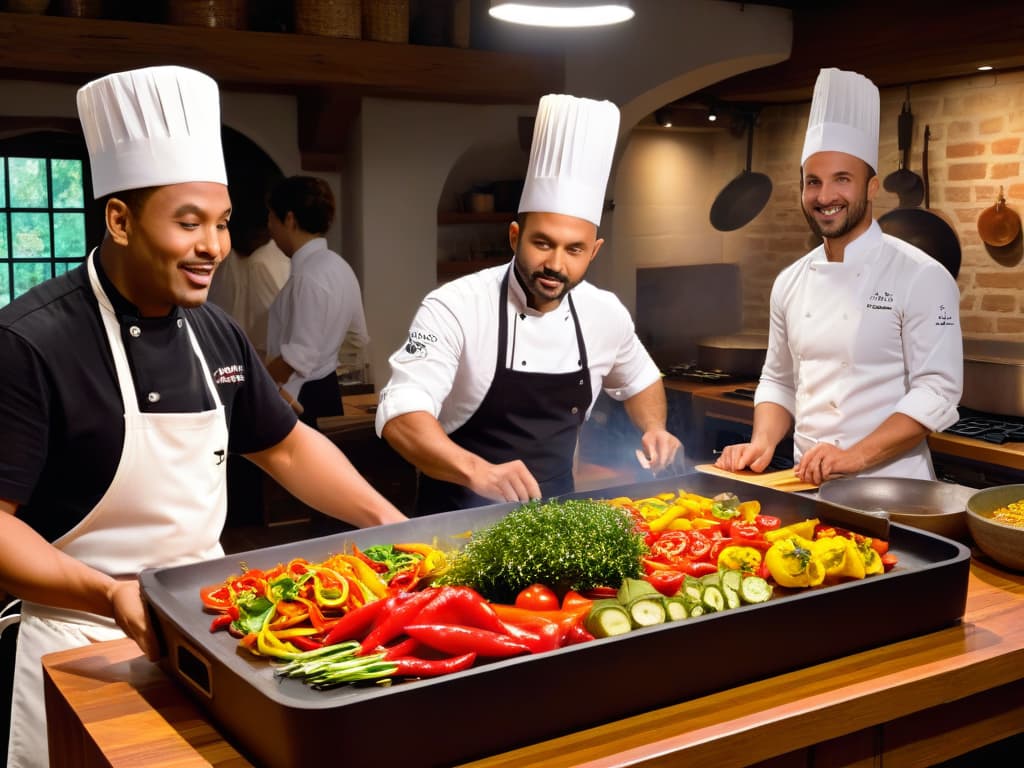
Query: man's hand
[(130, 614), (754, 456), (826, 462), (510, 481), (660, 447)]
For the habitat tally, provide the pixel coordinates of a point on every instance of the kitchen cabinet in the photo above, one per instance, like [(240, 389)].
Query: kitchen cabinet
[(481, 236), (915, 702)]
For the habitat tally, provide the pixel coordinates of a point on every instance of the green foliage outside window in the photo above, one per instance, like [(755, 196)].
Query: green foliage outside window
[(42, 221)]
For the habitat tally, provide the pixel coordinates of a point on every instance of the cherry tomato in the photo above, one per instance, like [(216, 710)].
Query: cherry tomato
[(740, 529), (537, 597), (880, 546), (667, 582), (216, 597), (767, 522)]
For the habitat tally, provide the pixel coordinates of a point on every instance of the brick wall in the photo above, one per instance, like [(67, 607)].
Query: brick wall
[(977, 145)]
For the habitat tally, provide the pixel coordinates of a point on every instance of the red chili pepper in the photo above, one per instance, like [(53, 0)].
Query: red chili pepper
[(759, 544), (666, 581), (413, 667), (545, 636), (354, 623), (767, 522), (460, 605), (697, 570), (404, 609), (305, 643), (405, 648), (404, 580), (578, 634), (455, 639), (574, 602)]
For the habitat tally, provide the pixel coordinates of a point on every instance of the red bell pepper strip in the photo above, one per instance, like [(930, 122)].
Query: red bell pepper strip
[(305, 643), (369, 561), (599, 593), (574, 602), (413, 667), (578, 634), (216, 597), (355, 623), (697, 570), (221, 622), (455, 639), (399, 611)]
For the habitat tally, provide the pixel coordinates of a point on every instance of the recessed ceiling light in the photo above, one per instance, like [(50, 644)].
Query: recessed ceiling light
[(562, 13), (984, 67)]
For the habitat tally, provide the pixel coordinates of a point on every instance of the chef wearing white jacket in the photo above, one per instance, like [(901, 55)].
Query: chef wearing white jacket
[(865, 355)]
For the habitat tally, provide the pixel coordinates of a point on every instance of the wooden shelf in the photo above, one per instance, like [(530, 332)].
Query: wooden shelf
[(448, 218), (76, 50)]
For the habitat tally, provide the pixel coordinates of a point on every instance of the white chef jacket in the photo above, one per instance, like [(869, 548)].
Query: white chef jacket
[(852, 342), (447, 364), (245, 287), (319, 308)]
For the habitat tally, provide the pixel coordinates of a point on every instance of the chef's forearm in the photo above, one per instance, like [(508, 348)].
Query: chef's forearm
[(892, 438), (33, 569), (772, 422), (419, 439), (648, 408), (313, 470)]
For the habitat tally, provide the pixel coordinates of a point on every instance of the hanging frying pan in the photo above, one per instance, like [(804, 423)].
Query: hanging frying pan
[(925, 228), (998, 225), (903, 181), (744, 197)]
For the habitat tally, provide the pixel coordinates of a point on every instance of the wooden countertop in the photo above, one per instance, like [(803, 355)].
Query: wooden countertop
[(715, 396), (918, 701)]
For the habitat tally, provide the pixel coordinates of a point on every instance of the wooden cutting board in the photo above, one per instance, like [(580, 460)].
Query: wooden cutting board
[(783, 480)]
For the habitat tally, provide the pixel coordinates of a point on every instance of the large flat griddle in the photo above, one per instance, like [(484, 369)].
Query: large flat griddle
[(504, 704)]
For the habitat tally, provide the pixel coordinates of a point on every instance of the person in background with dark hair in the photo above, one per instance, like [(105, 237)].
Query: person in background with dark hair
[(320, 307)]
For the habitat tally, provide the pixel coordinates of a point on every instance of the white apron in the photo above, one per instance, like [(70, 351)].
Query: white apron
[(850, 370), (166, 505)]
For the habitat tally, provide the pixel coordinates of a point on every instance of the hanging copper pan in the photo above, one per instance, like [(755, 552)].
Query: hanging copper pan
[(999, 225)]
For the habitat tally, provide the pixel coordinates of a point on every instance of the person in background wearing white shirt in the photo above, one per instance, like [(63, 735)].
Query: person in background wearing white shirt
[(319, 308), (249, 280), (865, 352), (501, 367)]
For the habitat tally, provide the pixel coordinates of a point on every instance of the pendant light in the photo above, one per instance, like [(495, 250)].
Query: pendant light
[(562, 13)]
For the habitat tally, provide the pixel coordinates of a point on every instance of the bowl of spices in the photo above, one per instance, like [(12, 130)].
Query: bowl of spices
[(995, 518)]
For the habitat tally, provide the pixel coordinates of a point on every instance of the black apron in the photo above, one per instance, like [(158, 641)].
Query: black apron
[(535, 417)]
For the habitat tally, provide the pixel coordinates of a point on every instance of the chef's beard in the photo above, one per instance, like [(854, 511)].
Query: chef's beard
[(856, 210), (530, 283)]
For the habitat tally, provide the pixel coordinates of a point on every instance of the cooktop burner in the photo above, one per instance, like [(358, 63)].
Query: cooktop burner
[(692, 372), (990, 427)]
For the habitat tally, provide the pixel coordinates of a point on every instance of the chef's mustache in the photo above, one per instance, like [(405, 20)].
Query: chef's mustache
[(550, 274)]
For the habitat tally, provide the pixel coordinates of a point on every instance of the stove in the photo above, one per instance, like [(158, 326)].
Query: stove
[(690, 372), (992, 428)]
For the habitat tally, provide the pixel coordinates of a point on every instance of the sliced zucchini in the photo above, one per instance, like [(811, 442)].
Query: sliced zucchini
[(697, 610), (732, 579), (754, 589), (647, 611), (608, 618), (693, 588), (675, 608), (732, 597), (713, 599), (711, 579)]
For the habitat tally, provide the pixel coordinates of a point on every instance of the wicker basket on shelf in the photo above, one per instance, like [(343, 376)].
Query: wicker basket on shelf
[(386, 20), (225, 14), (333, 18)]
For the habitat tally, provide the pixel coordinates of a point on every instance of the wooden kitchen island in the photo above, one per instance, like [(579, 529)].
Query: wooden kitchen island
[(912, 703)]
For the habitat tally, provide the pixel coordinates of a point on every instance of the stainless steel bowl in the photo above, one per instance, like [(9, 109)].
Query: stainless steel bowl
[(1002, 542), (929, 505)]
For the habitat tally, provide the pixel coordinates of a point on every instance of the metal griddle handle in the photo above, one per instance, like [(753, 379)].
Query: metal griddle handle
[(193, 667)]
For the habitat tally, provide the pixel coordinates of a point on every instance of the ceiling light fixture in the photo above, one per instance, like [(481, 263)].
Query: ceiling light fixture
[(662, 117), (984, 67), (563, 13)]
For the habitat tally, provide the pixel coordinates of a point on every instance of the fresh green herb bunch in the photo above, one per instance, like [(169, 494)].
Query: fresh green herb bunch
[(572, 544)]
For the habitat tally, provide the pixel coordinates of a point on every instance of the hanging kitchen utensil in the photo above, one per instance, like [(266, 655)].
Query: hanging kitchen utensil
[(999, 225), (745, 196), (903, 181), (925, 228)]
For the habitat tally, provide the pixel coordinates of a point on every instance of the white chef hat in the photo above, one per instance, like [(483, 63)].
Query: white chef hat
[(844, 117), (571, 157), (151, 127)]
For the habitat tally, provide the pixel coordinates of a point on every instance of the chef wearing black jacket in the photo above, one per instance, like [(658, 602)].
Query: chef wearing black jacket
[(123, 393)]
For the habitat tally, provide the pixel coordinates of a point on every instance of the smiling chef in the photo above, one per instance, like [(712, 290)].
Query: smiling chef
[(865, 352), (123, 392), (501, 367)]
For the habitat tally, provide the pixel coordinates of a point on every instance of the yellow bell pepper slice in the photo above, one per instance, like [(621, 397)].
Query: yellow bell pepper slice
[(792, 562), (803, 529)]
